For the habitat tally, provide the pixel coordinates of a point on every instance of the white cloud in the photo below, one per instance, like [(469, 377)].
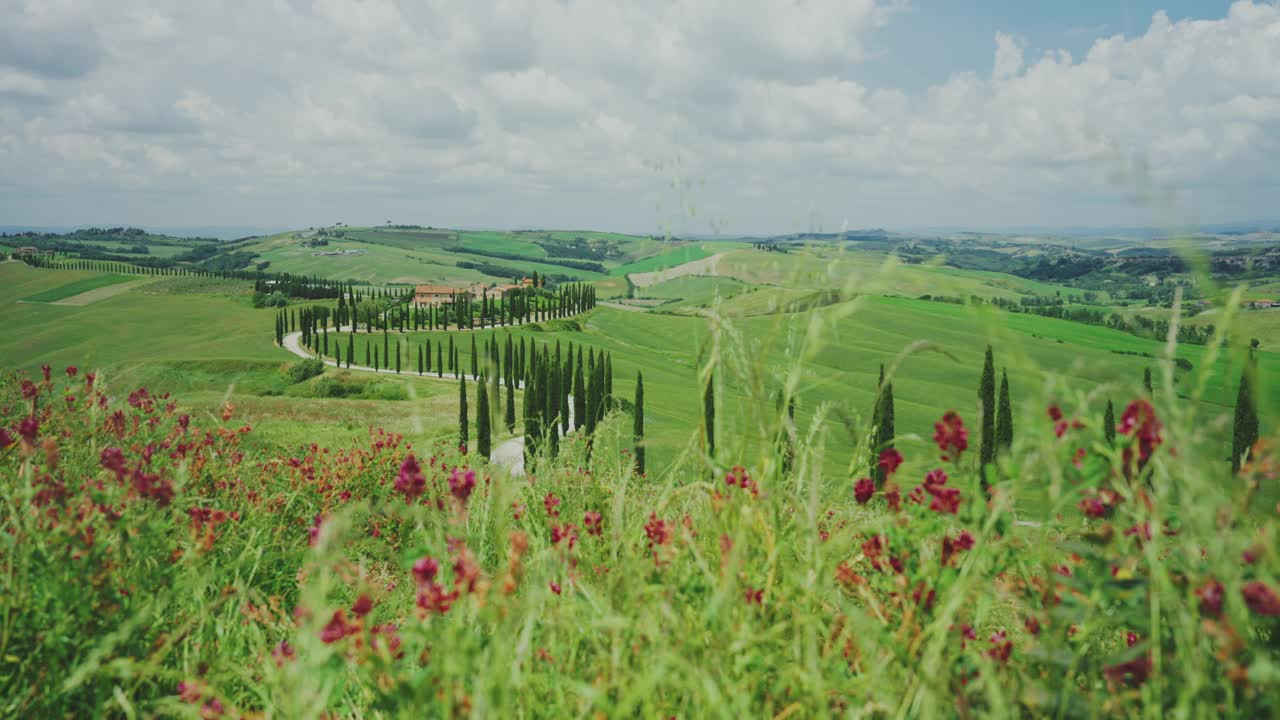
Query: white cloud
[(572, 112)]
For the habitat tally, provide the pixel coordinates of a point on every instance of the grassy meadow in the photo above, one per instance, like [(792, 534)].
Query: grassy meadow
[(282, 547)]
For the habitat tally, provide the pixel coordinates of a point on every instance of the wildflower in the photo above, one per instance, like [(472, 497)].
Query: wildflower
[(425, 570), (1055, 413), (88, 380), (890, 461), (5, 438), (1131, 672), (1001, 647), (282, 653), (555, 587), (552, 504), (314, 531), (951, 436), (564, 532), (466, 572), (29, 428), (1211, 598), (45, 370), (1093, 507), (1261, 599), (72, 370), (658, 531), (386, 635), (1139, 420), (462, 483), (1032, 625), (934, 479), (593, 522), (434, 599), (893, 497), (410, 481), (753, 596), (337, 628), (945, 500), (863, 490), (362, 606), (153, 487)]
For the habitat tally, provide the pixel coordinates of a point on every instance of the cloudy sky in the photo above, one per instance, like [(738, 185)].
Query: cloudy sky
[(743, 116)]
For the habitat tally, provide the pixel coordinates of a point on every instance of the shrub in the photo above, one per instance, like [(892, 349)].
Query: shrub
[(304, 370)]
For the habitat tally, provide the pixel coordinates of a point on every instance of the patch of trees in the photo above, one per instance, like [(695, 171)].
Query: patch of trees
[(506, 271), (581, 248), (575, 264)]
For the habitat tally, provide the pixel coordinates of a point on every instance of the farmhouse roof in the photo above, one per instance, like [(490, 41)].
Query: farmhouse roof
[(435, 290)]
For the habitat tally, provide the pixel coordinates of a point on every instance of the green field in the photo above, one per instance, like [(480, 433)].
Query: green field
[(76, 287), (667, 256)]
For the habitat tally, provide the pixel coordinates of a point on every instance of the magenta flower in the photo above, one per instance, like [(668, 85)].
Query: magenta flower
[(29, 428), (362, 606), (945, 500), (1211, 598), (593, 522), (552, 504), (5, 438), (658, 531), (462, 483), (425, 570), (890, 461), (1139, 419), (337, 628), (1261, 599), (951, 436), (410, 481), (72, 370), (863, 490)]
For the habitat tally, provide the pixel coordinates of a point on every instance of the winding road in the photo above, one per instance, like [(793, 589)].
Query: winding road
[(508, 454)]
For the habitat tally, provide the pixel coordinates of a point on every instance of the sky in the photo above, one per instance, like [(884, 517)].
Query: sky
[(683, 116)]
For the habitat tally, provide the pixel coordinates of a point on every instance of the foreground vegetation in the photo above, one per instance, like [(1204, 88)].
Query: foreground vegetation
[(155, 566)]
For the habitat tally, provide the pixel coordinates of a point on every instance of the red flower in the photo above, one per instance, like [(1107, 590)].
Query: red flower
[(658, 531), (29, 390), (951, 436), (425, 570), (893, 497), (362, 606), (1093, 507), (410, 481), (1032, 625), (1261, 599), (890, 461), (555, 587), (593, 522), (337, 628), (863, 490), (112, 458), (72, 370), (945, 500), (5, 438), (1139, 419), (934, 479), (552, 504), (462, 483), (965, 541), (45, 369), (314, 531), (564, 532), (1211, 598), (1055, 413), (29, 428)]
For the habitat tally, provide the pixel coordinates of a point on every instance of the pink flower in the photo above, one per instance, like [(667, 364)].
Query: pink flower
[(1055, 413), (890, 461), (462, 483), (593, 522), (1261, 599), (564, 532), (552, 504), (314, 532), (863, 490), (5, 438), (410, 481), (72, 370), (935, 478), (555, 587), (1093, 507), (951, 436)]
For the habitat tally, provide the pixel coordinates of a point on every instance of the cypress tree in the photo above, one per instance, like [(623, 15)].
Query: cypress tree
[(439, 359), (709, 415), (482, 420), (1109, 424), (566, 386), (511, 407), (579, 393), (452, 367), (1004, 415), (475, 359), (593, 395), (608, 381), (885, 431), (638, 429), (398, 357), (419, 360), (987, 399), (1146, 381), (1245, 432), (377, 363), (368, 361), (462, 413), (551, 415)]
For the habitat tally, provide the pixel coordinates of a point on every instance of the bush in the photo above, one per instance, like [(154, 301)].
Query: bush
[(304, 370)]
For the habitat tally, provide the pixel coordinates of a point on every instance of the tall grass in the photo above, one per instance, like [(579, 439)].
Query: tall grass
[(150, 566)]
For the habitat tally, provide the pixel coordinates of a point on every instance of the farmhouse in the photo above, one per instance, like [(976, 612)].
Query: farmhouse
[(29, 251), (435, 294)]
